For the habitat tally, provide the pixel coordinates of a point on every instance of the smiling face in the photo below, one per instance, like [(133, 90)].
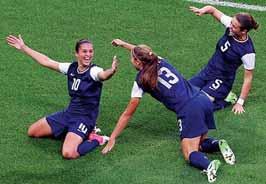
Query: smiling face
[(235, 29), (85, 54)]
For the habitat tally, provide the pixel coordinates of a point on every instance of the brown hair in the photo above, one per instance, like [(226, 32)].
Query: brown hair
[(150, 60), (80, 42), (246, 21)]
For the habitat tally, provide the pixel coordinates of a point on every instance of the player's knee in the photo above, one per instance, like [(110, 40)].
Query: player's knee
[(32, 132), (69, 154)]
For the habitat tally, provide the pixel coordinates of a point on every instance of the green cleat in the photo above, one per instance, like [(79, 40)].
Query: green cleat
[(231, 98), (227, 152), (212, 170)]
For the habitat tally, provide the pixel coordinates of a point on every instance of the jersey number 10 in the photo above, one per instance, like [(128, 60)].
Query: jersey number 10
[(75, 85)]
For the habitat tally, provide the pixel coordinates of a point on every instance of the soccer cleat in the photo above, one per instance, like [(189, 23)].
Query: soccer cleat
[(231, 98), (96, 129), (102, 139), (227, 152), (212, 170)]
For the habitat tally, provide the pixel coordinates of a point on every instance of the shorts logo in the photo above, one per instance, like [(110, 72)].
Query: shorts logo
[(82, 128)]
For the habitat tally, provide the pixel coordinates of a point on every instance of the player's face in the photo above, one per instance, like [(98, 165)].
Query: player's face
[(235, 28), (85, 54)]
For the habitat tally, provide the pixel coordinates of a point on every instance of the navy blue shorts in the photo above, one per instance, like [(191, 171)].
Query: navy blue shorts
[(196, 117), (216, 87), (62, 122)]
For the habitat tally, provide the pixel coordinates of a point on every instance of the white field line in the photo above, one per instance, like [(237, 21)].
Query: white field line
[(231, 4)]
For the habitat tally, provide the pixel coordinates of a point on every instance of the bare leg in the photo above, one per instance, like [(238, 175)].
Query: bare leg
[(70, 146), (190, 145), (40, 128)]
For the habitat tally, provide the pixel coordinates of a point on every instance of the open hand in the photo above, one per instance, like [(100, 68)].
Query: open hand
[(109, 146), (197, 11), (238, 109), (115, 64), (16, 42)]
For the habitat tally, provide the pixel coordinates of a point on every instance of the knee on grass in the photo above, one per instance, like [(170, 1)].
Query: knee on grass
[(70, 154)]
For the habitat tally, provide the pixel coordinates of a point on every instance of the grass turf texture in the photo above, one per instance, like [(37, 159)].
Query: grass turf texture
[(148, 150)]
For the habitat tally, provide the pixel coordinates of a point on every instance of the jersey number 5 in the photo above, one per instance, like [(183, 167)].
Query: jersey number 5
[(226, 46), (171, 76)]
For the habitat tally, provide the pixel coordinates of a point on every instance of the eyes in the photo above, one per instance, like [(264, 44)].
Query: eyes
[(85, 51)]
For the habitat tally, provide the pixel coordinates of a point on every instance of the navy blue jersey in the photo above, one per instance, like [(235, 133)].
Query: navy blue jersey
[(85, 93), (227, 57), (172, 89)]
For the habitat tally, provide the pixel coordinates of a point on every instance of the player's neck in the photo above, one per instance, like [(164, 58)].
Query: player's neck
[(82, 68), (241, 38)]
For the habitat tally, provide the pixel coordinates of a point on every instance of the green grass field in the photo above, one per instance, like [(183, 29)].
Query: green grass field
[(148, 151)]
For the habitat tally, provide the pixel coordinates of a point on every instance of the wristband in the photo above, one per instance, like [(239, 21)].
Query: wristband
[(240, 101)]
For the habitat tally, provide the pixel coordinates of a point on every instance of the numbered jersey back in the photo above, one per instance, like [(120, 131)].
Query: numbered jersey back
[(172, 89)]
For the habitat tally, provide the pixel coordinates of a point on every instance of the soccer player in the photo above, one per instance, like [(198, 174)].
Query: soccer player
[(77, 121), (192, 107), (233, 49)]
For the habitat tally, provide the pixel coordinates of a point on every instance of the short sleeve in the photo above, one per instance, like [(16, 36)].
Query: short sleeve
[(249, 61), (136, 91), (226, 20), (63, 67), (95, 70)]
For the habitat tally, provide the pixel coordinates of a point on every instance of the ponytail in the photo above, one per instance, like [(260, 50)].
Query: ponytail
[(246, 21), (149, 72)]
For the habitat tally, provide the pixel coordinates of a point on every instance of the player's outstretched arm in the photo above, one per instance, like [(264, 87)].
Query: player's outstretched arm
[(107, 74), (123, 44), (246, 86), (122, 123), (18, 43), (217, 14)]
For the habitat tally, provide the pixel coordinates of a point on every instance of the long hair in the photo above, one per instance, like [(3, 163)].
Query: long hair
[(149, 72), (246, 21)]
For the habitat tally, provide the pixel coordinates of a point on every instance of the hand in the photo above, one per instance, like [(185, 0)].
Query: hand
[(238, 109), (114, 64), (109, 146), (117, 42), (197, 11), (16, 42)]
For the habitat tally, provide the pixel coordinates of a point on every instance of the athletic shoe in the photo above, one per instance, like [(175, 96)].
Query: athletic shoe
[(102, 139), (212, 170), (96, 130), (231, 98), (227, 152)]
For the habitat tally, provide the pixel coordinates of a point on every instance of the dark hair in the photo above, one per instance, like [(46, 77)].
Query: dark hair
[(149, 72), (246, 21), (80, 42)]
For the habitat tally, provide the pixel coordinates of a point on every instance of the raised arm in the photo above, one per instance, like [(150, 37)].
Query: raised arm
[(122, 123), (123, 44), (217, 14), (106, 74), (18, 43), (238, 107)]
